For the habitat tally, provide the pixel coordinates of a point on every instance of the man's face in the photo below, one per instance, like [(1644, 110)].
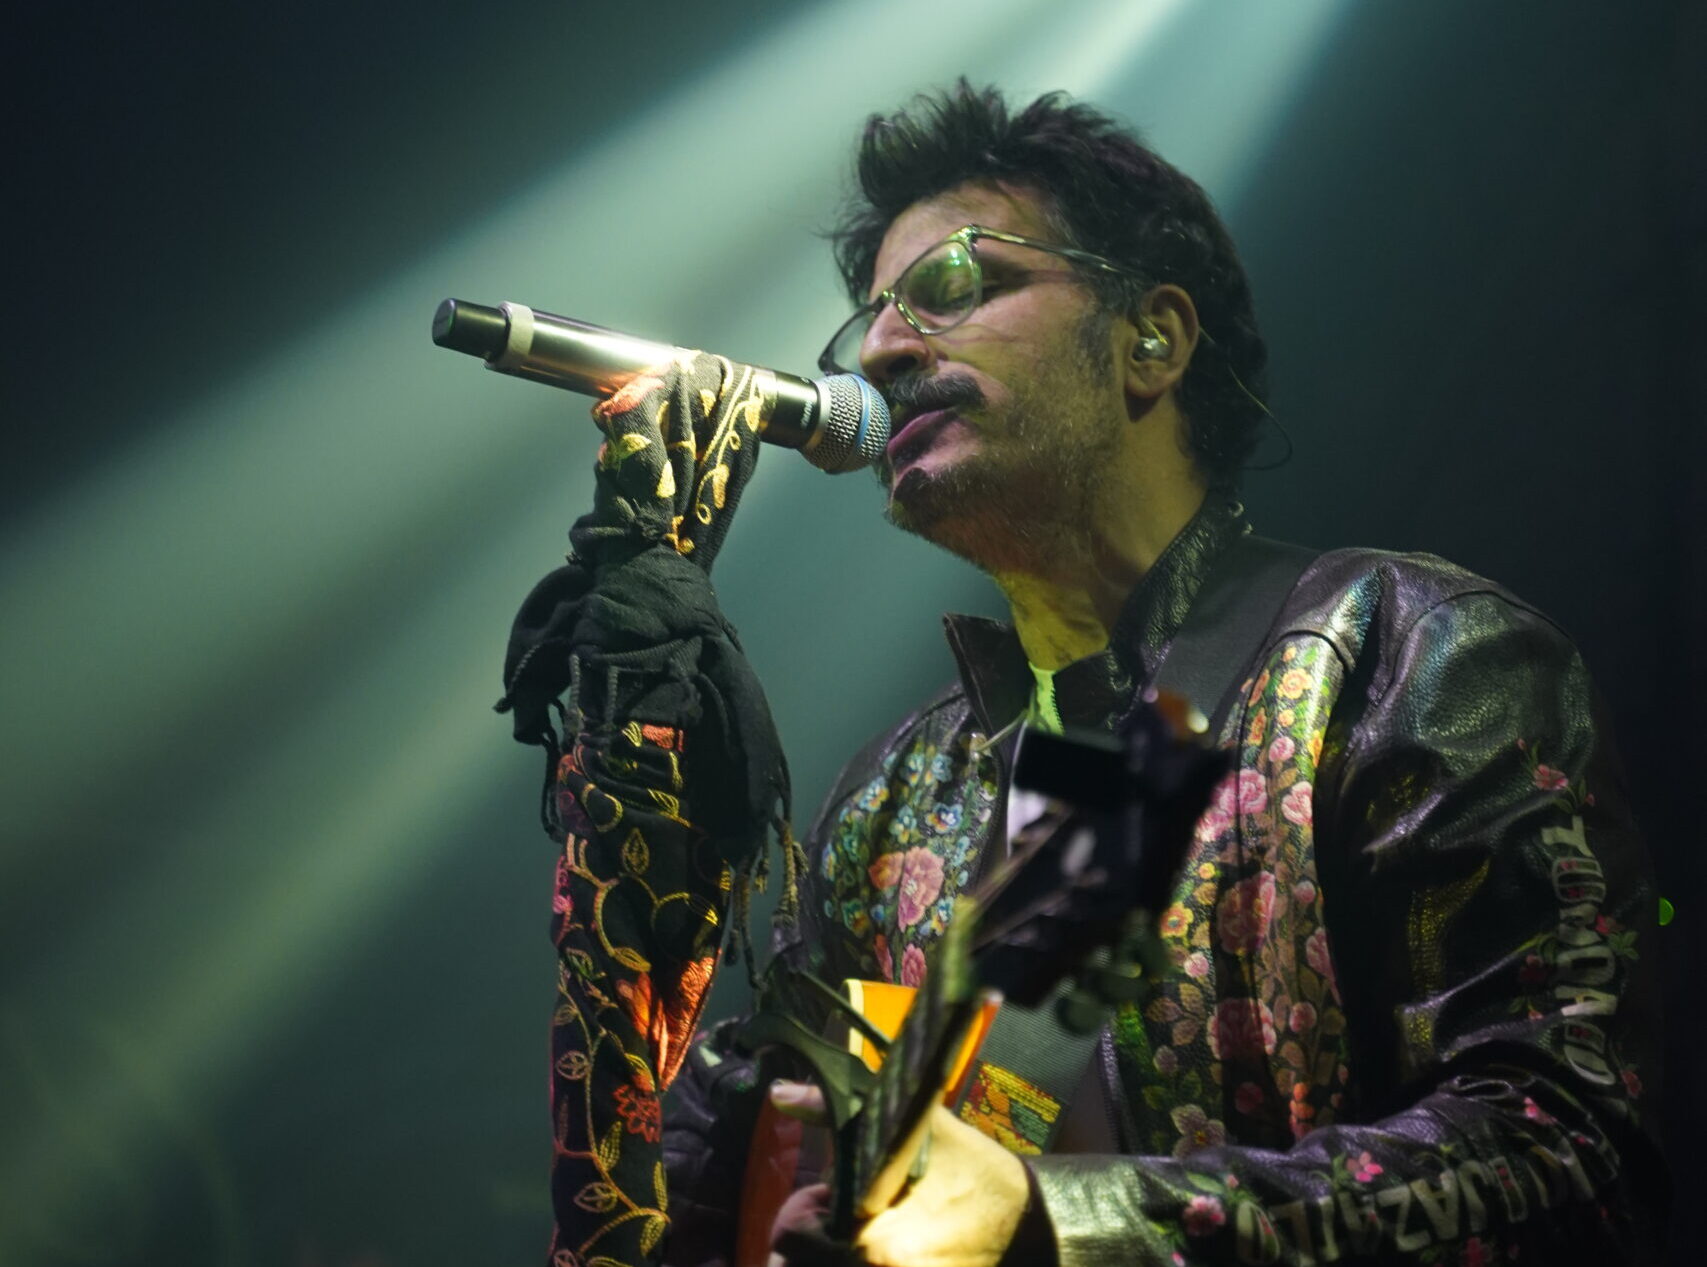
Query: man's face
[(1006, 425)]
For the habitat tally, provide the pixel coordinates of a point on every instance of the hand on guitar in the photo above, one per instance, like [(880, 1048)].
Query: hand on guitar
[(961, 1212)]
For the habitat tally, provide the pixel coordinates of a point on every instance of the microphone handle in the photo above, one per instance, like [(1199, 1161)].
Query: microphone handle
[(581, 357)]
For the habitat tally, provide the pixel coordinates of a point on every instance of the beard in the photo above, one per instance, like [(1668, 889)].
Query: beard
[(1026, 499)]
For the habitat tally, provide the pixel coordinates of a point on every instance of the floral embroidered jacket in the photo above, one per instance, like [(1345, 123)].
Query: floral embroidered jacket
[(1412, 1012)]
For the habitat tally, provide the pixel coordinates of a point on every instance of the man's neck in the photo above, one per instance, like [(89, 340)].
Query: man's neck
[(1065, 611)]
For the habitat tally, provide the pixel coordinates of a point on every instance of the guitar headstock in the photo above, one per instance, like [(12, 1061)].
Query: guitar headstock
[(1088, 873)]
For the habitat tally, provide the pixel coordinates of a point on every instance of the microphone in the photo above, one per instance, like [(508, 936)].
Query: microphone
[(839, 423)]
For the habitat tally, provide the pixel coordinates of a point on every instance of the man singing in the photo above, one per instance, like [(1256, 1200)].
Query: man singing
[(1409, 1010)]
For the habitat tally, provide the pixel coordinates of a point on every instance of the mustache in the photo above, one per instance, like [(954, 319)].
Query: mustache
[(915, 393)]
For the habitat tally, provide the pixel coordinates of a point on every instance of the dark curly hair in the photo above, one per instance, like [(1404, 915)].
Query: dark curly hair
[(1102, 191)]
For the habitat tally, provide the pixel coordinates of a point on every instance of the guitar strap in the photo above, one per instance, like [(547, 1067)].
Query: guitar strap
[(1025, 1112), (1229, 622)]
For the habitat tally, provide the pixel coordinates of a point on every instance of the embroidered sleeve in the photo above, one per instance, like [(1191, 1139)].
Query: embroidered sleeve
[(1408, 1019), (638, 908), (671, 778)]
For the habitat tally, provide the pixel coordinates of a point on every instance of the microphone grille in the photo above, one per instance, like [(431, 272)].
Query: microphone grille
[(853, 425)]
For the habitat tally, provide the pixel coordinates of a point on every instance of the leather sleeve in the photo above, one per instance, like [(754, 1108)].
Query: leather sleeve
[(1493, 921)]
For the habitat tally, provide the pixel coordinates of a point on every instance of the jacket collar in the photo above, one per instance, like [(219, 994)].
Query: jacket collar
[(1095, 691)]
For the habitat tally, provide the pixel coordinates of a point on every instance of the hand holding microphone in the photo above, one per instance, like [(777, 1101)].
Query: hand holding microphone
[(839, 423), (632, 617), (681, 440)]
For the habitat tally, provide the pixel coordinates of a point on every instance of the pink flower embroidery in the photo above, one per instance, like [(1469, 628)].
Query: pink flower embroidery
[(921, 881), (1248, 1098), (1550, 780), (1632, 1084), (1281, 750), (913, 967), (1213, 825), (885, 961), (1299, 805), (1197, 965), (1303, 893), (1241, 792), (885, 872), (1363, 1168), (1196, 1130), (1302, 1018), (1243, 914), (1534, 969), (1241, 1029), (1203, 1215), (1317, 956)]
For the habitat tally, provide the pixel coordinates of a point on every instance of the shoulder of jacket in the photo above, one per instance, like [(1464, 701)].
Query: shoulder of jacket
[(1351, 596), (947, 707)]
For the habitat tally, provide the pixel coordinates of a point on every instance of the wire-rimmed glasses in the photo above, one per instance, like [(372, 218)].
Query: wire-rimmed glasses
[(937, 291)]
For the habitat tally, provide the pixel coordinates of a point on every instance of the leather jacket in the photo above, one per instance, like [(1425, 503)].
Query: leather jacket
[(1413, 1015)]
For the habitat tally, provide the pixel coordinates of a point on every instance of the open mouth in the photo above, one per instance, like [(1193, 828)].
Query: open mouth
[(916, 436)]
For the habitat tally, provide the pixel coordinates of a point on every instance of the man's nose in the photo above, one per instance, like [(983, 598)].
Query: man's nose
[(892, 347)]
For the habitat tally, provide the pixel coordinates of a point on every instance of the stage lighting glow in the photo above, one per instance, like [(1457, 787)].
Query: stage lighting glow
[(346, 528)]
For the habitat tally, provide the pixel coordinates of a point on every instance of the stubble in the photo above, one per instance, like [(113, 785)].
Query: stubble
[(1027, 501)]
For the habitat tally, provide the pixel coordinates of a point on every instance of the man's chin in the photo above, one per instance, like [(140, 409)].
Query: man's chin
[(917, 498), (943, 508)]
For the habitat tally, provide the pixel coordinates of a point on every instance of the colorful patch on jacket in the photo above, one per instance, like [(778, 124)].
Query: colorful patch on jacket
[(902, 847)]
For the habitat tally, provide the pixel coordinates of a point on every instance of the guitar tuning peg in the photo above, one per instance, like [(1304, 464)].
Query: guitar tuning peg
[(1118, 983)]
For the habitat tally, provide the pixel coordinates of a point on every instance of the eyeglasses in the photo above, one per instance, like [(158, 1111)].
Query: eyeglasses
[(937, 291)]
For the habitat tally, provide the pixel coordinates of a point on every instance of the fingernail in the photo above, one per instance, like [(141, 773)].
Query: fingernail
[(787, 1094)]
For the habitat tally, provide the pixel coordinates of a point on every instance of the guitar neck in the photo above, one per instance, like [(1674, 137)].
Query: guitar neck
[(915, 1069)]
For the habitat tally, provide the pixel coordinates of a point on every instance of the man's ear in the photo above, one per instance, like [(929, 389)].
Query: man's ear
[(1162, 336)]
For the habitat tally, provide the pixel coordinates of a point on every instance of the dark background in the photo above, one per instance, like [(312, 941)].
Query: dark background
[(272, 904)]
